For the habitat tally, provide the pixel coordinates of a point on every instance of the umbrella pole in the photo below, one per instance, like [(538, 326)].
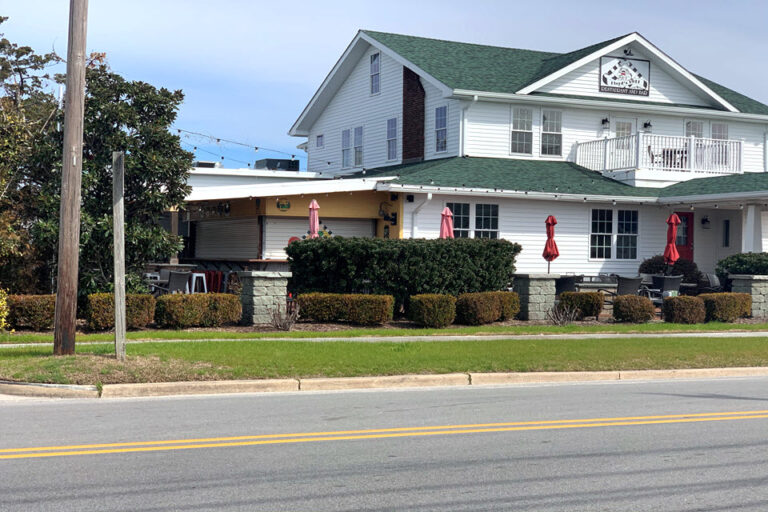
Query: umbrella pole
[(548, 264)]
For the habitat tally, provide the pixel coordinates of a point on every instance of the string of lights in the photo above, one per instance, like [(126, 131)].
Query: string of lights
[(222, 157), (219, 140)]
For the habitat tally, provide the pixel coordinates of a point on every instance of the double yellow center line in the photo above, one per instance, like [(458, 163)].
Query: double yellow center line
[(382, 433)]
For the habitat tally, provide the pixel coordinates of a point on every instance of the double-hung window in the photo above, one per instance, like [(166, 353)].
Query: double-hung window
[(522, 130), (392, 139), (601, 233), (720, 150), (486, 221), (695, 128), (358, 146), (552, 133), (626, 239), (375, 73), (441, 129), (346, 149), (460, 213), (320, 141)]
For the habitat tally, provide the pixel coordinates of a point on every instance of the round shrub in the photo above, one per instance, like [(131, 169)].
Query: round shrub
[(633, 309), (321, 307), (432, 309), (726, 307), (364, 309), (687, 268), (684, 310), (586, 303), (509, 302), (477, 308)]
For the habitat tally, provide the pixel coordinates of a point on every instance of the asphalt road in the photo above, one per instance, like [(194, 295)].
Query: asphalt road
[(634, 446)]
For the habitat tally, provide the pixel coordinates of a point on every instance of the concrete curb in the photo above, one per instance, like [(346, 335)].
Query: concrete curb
[(352, 383), (48, 390)]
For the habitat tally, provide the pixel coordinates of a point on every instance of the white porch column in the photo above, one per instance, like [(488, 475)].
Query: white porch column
[(752, 229)]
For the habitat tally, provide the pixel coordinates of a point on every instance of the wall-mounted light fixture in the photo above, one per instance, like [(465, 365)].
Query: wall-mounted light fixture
[(628, 52), (705, 222), (606, 123), (647, 125)]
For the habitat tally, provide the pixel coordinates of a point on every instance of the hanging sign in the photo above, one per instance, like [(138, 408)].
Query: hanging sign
[(625, 75), (283, 204)]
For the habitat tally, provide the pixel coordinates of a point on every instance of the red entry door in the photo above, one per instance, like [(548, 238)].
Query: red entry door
[(684, 240)]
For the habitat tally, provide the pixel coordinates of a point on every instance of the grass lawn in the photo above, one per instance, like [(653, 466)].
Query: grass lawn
[(269, 359), (656, 327)]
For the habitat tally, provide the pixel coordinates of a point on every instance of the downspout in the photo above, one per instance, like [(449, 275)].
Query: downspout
[(415, 211), (462, 124)]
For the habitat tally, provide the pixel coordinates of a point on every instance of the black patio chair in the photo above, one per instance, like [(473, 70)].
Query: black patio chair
[(664, 286), (178, 282), (566, 284), (711, 284), (625, 285)]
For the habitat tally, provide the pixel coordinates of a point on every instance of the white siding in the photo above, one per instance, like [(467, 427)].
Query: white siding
[(664, 88), (353, 105), (433, 99), (488, 129), (522, 221), (227, 239), (277, 232)]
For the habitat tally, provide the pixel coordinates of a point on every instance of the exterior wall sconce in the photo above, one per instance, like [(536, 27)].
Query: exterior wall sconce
[(705, 222), (606, 123), (647, 125)]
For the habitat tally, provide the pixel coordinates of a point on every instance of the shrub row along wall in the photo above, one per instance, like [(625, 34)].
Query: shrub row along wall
[(100, 311), (197, 310), (401, 268), (354, 308), (707, 307), (32, 311)]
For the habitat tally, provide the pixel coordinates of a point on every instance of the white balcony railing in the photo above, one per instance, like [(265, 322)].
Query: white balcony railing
[(662, 153)]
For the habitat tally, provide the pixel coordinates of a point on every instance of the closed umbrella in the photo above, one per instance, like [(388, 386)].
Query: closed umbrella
[(314, 219), (446, 224), (670, 250), (550, 248)]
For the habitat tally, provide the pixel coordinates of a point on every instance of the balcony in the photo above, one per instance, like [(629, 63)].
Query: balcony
[(645, 159)]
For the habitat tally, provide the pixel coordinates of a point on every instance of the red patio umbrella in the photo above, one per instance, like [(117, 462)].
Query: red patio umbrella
[(550, 248), (446, 224), (314, 219), (670, 250)]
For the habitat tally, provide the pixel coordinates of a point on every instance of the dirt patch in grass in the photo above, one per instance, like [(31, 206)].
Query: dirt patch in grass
[(91, 369)]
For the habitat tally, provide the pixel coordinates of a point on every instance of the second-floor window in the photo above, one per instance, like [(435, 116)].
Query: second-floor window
[(441, 129), (358, 146), (375, 73), (319, 141), (346, 148), (720, 131), (552, 133), (522, 130), (392, 139), (695, 128), (352, 154)]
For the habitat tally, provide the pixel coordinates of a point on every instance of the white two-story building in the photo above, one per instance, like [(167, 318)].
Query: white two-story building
[(610, 139)]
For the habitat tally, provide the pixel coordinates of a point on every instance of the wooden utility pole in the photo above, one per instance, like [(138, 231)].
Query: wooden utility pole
[(69, 218), (118, 227)]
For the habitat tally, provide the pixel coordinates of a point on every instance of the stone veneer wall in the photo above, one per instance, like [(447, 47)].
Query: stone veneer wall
[(262, 293), (537, 294), (757, 286)]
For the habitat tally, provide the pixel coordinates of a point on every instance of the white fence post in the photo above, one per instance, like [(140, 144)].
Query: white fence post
[(605, 154), (691, 153)]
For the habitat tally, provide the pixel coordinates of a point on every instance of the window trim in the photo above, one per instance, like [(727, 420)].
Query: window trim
[(472, 216), (542, 133), (444, 129), (614, 247), (513, 131), (377, 74), (392, 139), (320, 141)]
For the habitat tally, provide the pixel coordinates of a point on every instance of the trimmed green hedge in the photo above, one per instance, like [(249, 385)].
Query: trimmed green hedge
[(726, 307), (432, 309), (486, 307), (755, 263), (586, 303), (179, 311), (400, 268), (633, 309), (356, 308), (684, 310), (100, 311), (34, 311)]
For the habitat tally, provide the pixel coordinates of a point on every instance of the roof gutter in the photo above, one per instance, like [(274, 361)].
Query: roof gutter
[(708, 198), (464, 94)]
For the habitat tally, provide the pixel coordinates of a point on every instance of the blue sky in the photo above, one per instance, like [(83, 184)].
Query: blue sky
[(248, 68)]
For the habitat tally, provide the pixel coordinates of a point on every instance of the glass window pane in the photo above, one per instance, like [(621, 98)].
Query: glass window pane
[(460, 219)]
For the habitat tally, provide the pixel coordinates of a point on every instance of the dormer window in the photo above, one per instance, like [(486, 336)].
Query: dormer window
[(375, 74)]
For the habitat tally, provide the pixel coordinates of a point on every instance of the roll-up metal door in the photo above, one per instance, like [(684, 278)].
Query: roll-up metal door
[(231, 239)]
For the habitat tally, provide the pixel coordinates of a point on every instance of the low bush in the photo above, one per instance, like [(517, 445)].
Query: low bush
[(485, 307), (362, 309), (686, 268), (432, 309), (726, 307), (684, 310), (3, 310), (179, 311), (633, 309), (322, 307), (100, 311), (755, 263), (36, 312), (586, 303)]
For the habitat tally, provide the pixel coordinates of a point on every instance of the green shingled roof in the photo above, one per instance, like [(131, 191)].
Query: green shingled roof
[(507, 70), (550, 177)]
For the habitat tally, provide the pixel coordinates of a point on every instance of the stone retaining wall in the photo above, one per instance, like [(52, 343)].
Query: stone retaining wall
[(537, 294), (263, 292), (757, 286)]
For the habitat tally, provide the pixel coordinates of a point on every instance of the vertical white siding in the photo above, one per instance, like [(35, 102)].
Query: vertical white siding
[(353, 105), (277, 232), (227, 239), (433, 99)]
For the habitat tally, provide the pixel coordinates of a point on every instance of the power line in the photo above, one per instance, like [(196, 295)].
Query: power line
[(195, 148), (219, 140)]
